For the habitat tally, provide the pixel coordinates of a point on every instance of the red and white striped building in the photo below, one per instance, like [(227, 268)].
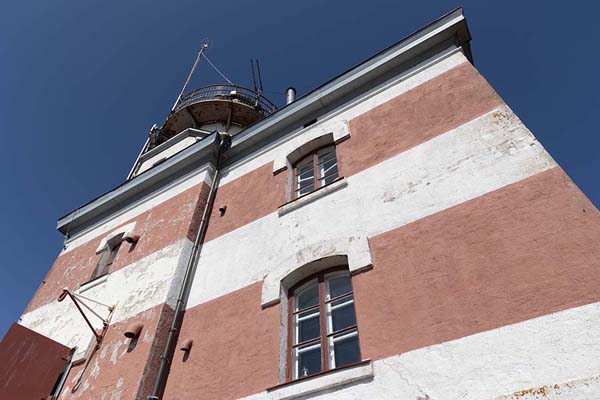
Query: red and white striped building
[(397, 233)]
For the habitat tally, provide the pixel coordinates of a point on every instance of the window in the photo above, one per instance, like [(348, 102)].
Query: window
[(106, 258), (324, 162), (323, 334)]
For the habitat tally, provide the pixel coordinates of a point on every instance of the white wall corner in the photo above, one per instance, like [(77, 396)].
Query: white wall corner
[(124, 230), (314, 258)]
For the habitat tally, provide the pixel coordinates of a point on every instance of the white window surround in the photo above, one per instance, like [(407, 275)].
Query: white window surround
[(323, 383), (330, 132), (353, 251), (122, 231)]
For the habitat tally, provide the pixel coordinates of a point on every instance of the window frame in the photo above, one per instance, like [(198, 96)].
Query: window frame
[(324, 320), (314, 154), (107, 259)]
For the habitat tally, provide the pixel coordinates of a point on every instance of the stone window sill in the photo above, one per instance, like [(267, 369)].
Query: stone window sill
[(93, 283), (320, 383), (334, 186)]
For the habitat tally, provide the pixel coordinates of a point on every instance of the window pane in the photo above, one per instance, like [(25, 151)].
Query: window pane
[(308, 326), (307, 297), (101, 264), (338, 285), (113, 253), (328, 170), (305, 173), (305, 177), (345, 349), (308, 361), (326, 154), (342, 314), (328, 179), (304, 190), (327, 167)]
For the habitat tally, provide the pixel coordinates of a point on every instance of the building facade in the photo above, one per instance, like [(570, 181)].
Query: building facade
[(395, 233)]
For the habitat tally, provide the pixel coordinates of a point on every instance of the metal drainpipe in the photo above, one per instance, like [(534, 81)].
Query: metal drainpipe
[(224, 141)]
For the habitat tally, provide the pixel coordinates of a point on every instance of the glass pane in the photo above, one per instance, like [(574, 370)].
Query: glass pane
[(305, 173), (307, 297), (330, 178), (302, 182), (304, 190), (308, 326), (338, 285), (328, 170), (101, 264), (345, 349), (305, 178), (308, 361), (113, 254), (342, 314), (327, 167), (326, 154)]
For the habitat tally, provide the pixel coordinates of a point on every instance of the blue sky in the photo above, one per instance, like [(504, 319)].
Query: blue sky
[(81, 82)]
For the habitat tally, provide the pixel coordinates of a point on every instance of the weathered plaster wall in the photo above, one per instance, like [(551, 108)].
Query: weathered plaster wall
[(235, 349), (437, 106), (490, 208), (523, 251), (116, 370), (141, 286), (478, 157), (547, 357), (433, 143), (247, 199), (159, 226), (446, 101), (527, 250), (128, 212)]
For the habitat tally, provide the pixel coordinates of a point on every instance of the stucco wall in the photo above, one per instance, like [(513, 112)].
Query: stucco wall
[(549, 357), (117, 369), (235, 349), (469, 225), (159, 226), (142, 286)]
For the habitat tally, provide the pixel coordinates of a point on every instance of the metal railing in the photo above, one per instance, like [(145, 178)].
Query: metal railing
[(227, 92)]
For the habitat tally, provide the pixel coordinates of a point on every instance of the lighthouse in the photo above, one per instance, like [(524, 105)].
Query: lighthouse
[(395, 233)]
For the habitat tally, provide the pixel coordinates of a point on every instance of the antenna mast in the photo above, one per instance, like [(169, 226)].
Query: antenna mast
[(202, 48), (258, 86)]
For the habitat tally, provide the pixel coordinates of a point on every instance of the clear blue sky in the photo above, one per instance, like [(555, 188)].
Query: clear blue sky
[(81, 82)]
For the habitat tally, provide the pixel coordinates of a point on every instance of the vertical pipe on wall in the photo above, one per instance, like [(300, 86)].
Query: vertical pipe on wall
[(223, 141)]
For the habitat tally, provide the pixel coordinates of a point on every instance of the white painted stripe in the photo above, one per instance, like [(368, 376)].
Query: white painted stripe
[(481, 156), (560, 351), (138, 207), (151, 281), (336, 122)]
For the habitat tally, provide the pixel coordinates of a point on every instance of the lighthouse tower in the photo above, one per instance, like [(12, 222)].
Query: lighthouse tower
[(395, 233)]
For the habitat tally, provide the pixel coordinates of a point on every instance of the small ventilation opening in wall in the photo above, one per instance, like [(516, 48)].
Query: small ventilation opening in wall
[(309, 123)]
